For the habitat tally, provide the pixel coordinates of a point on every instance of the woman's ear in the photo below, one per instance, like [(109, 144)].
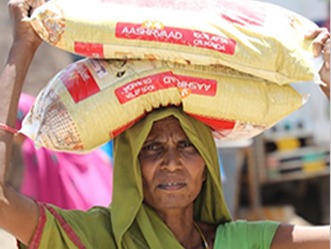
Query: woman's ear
[(205, 173)]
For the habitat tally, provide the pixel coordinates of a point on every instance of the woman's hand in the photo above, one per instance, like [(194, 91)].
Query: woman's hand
[(321, 45), (325, 71), (20, 11)]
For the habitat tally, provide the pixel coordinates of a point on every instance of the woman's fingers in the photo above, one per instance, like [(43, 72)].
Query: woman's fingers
[(37, 3), (326, 53), (320, 37), (23, 8), (20, 10)]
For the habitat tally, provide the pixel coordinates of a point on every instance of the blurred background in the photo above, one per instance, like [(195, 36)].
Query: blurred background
[(283, 174)]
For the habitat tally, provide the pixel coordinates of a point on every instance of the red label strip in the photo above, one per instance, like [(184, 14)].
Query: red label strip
[(191, 38), (79, 82), (89, 49), (153, 83), (216, 124)]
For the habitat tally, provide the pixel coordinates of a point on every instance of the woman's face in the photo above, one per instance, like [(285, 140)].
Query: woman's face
[(172, 169)]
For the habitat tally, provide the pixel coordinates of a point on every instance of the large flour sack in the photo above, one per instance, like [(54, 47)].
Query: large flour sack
[(91, 101), (250, 36)]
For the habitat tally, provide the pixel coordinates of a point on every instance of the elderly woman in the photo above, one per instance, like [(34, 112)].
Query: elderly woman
[(166, 190)]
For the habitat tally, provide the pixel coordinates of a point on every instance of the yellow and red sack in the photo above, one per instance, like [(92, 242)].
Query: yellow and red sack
[(250, 36), (91, 101)]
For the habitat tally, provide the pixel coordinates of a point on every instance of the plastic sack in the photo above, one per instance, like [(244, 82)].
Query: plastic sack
[(259, 38), (91, 101)]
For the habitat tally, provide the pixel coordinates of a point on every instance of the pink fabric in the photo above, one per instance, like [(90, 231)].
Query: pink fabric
[(70, 181), (25, 103)]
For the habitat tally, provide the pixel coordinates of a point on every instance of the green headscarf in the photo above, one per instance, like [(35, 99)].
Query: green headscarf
[(136, 225)]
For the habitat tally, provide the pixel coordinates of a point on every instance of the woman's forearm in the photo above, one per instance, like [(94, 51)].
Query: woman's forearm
[(18, 215), (11, 82)]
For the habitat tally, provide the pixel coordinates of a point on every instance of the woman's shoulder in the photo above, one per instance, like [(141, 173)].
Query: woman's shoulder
[(73, 228), (97, 214), (244, 225), (234, 233)]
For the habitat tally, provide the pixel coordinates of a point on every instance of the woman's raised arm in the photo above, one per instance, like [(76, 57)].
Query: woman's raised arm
[(301, 237), (18, 214), (309, 237)]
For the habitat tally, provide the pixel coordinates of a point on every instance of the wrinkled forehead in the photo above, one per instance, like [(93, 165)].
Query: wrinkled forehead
[(166, 123), (169, 126)]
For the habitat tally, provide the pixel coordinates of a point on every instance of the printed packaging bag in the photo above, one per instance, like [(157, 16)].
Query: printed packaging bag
[(254, 37), (92, 100)]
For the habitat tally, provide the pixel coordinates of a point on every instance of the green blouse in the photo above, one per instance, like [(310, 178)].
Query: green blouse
[(245, 235), (92, 230)]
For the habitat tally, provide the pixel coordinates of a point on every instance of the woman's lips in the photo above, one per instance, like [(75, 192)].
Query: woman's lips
[(171, 185)]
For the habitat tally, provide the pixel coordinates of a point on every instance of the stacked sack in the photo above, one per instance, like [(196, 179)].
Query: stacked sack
[(226, 63)]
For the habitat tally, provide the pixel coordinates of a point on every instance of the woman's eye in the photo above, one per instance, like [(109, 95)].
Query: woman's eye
[(150, 150), (185, 144), (151, 147)]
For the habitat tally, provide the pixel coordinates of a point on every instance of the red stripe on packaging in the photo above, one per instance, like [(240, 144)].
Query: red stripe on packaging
[(89, 49), (215, 123), (241, 14), (79, 82), (156, 32), (123, 128), (165, 80)]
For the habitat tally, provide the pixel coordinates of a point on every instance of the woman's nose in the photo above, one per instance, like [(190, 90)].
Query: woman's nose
[(171, 160)]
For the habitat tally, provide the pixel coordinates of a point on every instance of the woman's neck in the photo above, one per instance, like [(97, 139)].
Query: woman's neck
[(181, 223)]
